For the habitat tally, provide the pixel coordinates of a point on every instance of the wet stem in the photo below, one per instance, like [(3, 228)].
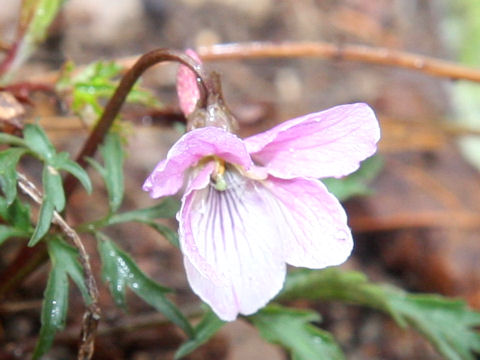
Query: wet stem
[(30, 259)]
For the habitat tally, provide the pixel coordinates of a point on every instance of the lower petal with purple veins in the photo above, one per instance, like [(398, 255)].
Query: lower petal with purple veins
[(234, 254)]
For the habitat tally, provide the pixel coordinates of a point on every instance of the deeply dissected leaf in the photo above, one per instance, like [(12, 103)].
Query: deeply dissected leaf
[(66, 258), (166, 209), (63, 162), (205, 329), (44, 221), (16, 214), (333, 284), (95, 82), (112, 153), (356, 183), (7, 232), (8, 173), (120, 271), (292, 329), (38, 142), (169, 234), (54, 310), (11, 140), (53, 187), (448, 324), (55, 303)]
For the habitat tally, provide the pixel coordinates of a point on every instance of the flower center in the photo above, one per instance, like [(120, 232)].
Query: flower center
[(218, 175)]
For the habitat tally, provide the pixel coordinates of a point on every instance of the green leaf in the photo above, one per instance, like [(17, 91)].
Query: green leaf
[(333, 284), (44, 221), (95, 82), (63, 162), (53, 187), (66, 258), (11, 140), (54, 310), (206, 328), (448, 324), (169, 234), (16, 214), (357, 183), (292, 329), (8, 172), (167, 208), (112, 153), (120, 270), (7, 232), (55, 303), (38, 142)]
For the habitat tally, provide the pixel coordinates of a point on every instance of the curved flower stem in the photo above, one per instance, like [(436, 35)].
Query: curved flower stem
[(118, 98), (361, 53), (92, 314)]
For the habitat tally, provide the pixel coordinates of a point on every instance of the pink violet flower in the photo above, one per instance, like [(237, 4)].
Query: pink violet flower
[(251, 206)]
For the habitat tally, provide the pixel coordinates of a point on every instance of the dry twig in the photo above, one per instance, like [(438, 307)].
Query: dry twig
[(92, 313), (368, 54)]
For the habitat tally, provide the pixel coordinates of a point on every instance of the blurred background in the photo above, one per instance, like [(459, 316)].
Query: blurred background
[(418, 224)]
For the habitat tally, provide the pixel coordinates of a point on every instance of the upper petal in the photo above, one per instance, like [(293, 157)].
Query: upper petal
[(187, 86), (312, 222), (330, 143), (168, 176), (233, 256)]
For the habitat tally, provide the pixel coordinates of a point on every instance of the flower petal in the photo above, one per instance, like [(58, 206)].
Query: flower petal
[(187, 86), (168, 176), (312, 222), (233, 256), (324, 144)]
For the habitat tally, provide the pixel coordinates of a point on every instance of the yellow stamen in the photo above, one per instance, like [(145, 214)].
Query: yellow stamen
[(217, 176)]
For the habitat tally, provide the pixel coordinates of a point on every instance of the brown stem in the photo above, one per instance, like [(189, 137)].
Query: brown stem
[(92, 314), (116, 101), (368, 54)]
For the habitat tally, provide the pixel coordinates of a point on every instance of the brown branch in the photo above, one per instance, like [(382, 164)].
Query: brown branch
[(92, 314), (323, 50), (118, 98), (361, 53)]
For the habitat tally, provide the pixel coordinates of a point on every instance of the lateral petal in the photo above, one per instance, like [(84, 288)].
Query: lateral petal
[(330, 143), (168, 176), (233, 254), (312, 221)]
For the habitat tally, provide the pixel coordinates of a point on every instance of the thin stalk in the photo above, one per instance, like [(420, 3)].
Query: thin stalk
[(116, 101)]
